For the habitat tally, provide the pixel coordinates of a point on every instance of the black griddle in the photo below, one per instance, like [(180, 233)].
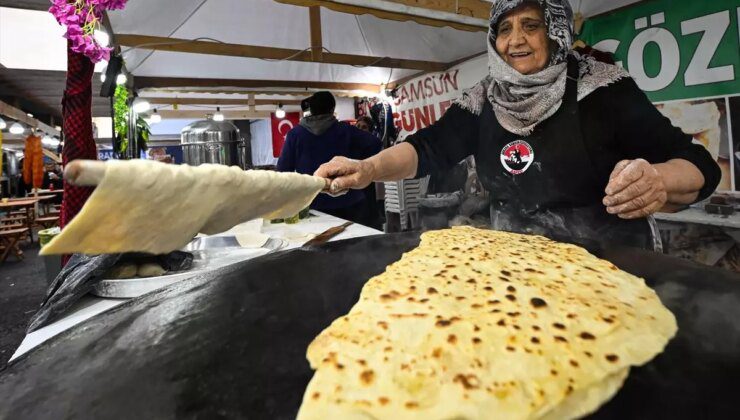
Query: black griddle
[(232, 344)]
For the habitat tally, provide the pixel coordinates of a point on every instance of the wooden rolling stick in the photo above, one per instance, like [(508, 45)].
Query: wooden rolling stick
[(84, 173)]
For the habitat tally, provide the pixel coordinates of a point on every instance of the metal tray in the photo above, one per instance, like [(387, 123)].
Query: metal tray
[(231, 343), (209, 253)]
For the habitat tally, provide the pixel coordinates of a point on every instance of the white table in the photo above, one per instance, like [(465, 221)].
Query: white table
[(699, 216), (296, 235)]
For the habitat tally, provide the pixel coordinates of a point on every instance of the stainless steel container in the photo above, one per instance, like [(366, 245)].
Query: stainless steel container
[(10, 163), (211, 141)]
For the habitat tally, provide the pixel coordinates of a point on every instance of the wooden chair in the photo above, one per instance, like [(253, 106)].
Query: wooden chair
[(9, 243)]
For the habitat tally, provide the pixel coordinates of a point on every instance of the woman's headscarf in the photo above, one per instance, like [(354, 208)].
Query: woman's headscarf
[(520, 101)]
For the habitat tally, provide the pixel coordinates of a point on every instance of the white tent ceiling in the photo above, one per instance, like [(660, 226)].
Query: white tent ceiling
[(267, 23)]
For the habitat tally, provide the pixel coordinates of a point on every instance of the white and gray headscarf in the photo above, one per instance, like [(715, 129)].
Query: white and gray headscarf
[(519, 101)]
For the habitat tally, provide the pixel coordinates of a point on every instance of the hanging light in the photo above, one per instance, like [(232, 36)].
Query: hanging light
[(50, 141), (140, 105), (16, 128), (102, 73), (218, 116), (101, 37), (121, 79), (280, 113), (3, 124), (155, 117)]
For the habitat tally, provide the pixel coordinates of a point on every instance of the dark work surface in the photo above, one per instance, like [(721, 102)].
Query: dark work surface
[(232, 344), (22, 289)]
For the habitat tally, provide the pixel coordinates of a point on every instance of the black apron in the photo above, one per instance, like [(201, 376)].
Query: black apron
[(546, 184)]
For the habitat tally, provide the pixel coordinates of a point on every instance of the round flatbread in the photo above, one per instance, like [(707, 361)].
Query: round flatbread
[(476, 323)]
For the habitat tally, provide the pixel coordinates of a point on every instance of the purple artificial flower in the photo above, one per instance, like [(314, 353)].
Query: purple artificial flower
[(84, 20)]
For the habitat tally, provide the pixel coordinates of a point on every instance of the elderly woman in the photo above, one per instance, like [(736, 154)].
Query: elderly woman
[(567, 146)]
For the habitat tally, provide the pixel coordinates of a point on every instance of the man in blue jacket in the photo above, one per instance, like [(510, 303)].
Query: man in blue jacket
[(317, 139)]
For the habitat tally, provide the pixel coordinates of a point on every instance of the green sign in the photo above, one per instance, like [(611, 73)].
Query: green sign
[(674, 49)]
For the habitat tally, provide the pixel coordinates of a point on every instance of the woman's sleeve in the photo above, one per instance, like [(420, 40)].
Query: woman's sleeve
[(445, 143), (643, 132)]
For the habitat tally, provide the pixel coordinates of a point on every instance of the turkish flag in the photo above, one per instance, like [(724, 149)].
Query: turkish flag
[(280, 129)]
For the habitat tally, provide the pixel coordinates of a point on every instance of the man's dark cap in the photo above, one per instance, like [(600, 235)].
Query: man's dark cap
[(322, 103)]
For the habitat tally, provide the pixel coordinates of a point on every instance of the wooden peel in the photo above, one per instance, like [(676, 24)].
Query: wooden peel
[(324, 236), (90, 173)]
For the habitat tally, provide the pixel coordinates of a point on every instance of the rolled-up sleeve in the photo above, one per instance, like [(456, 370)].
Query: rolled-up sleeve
[(445, 143), (643, 132)]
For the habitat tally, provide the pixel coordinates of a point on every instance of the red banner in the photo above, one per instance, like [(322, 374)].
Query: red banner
[(280, 129)]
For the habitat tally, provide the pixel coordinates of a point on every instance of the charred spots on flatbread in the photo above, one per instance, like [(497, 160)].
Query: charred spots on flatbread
[(367, 377), (467, 381), (411, 405), (446, 322), (587, 336), (392, 295), (613, 358), (558, 326), (538, 302), (511, 298)]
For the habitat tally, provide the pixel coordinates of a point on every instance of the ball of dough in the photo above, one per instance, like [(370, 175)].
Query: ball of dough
[(122, 271), (150, 270)]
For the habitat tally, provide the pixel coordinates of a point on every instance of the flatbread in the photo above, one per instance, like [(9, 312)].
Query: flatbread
[(122, 271), (477, 324), (150, 270), (147, 206), (251, 239)]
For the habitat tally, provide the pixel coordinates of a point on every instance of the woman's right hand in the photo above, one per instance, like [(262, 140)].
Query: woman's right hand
[(346, 174)]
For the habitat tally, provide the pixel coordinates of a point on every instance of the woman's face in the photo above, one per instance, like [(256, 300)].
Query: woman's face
[(521, 39), (362, 125)]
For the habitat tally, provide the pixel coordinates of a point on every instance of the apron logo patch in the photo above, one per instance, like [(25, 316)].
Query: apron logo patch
[(517, 157)]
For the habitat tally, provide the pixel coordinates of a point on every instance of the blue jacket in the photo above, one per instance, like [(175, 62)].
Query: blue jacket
[(304, 152)]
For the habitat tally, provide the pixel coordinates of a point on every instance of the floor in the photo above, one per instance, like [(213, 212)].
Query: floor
[(22, 289)]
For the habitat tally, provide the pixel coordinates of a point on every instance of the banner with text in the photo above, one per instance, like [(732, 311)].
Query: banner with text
[(684, 55), (422, 101)]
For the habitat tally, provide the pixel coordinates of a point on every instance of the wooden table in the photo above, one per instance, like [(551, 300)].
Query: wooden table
[(45, 192), (27, 204)]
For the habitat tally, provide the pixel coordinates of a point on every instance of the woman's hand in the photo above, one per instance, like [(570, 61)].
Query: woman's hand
[(636, 189), (346, 174)]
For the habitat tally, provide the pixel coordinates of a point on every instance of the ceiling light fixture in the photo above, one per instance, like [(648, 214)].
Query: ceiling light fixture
[(3, 124), (140, 105), (218, 116), (101, 37), (155, 117), (280, 113), (121, 79), (16, 128)]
